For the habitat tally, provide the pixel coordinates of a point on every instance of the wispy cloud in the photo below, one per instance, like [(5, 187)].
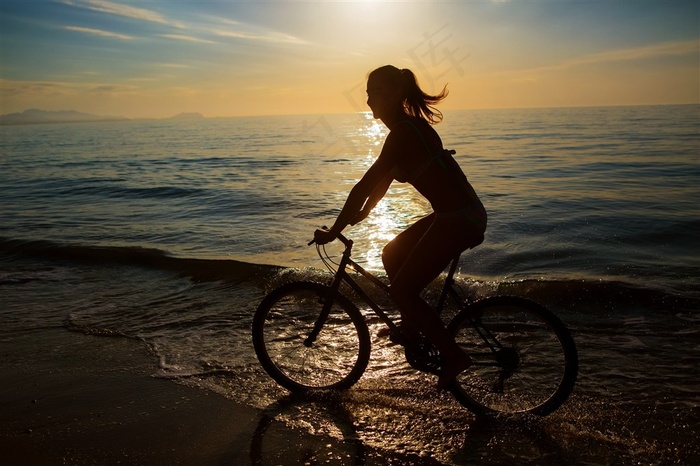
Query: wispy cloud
[(119, 9), (271, 36), (173, 65), (647, 52), (11, 89), (99, 32), (112, 89), (187, 38), (639, 53), (237, 30)]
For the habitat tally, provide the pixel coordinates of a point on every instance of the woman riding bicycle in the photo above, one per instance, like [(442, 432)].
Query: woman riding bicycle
[(413, 153)]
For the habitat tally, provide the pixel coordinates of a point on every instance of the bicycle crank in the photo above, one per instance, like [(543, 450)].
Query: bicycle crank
[(423, 356)]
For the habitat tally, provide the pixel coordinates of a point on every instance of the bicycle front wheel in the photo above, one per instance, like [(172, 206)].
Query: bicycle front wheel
[(304, 348), (525, 360)]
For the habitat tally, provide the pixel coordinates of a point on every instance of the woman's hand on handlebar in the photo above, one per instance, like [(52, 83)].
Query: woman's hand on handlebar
[(324, 236)]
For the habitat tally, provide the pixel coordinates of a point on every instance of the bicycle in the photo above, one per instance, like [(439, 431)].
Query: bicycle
[(309, 336)]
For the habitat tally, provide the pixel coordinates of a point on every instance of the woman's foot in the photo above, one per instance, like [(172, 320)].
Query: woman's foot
[(406, 335), (452, 369)]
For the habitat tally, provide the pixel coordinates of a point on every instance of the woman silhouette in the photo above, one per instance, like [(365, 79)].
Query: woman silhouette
[(413, 153)]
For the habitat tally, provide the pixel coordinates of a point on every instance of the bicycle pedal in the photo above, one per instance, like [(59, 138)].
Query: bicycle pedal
[(394, 337), (423, 357), (397, 339)]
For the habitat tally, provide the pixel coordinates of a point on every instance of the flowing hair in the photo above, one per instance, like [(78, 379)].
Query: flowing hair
[(416, 103)]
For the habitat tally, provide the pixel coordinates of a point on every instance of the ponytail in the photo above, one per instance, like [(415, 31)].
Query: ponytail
[(419, 104), (416, 103)]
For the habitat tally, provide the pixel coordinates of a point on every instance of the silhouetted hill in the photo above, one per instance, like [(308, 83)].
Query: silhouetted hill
[(187, 116), (45, 116)]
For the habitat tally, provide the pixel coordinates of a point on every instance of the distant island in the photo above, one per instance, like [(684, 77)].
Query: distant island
[(34, 116), (187, 116)]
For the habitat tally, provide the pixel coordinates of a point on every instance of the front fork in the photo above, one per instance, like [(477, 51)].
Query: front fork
[(506, 359), (327, 301)]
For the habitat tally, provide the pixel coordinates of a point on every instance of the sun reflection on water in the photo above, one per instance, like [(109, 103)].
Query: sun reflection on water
[(397, 211), (401, 206), (375, 132)]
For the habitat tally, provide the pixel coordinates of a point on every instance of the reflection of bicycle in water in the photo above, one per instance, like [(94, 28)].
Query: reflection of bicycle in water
[(304, 430), (309, 336)]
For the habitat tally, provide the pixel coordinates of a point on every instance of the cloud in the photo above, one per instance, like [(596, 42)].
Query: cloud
[(236, 30), (10, 88), (112, 89), (187, 38), (49, 89), (647, 52), (271, 36), (119, 9), (639, 53), (601, 78), (173, 65), (99, 32)]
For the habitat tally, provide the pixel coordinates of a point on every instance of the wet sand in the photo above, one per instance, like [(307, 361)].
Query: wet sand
[(67, 398), (70, 398)]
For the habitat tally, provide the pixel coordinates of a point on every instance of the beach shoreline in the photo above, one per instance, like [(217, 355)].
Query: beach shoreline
[(71, 398), (68, 398)]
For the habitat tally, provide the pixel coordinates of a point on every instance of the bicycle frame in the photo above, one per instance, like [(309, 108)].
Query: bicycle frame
[(342, 276), (505, 336)]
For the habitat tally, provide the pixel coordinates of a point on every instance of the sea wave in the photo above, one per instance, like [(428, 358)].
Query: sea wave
[(580, 293), (201, 269)]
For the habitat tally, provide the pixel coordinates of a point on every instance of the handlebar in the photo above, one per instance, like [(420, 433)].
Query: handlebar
[(344, 240), (347, 242)]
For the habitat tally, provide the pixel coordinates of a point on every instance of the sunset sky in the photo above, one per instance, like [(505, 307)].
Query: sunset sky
[(225, 58)]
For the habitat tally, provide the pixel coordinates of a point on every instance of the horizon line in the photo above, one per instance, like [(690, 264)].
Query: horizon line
[(116, 118)]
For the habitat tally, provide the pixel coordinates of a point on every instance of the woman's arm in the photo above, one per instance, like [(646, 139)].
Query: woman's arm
[(376, 196), (366, 193), (358, 197)]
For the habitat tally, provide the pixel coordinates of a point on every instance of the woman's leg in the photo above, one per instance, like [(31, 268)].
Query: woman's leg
[(399, 248), (394, 255), (440, 242)]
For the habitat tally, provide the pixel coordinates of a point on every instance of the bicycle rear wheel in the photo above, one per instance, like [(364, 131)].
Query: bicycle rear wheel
[(283, 324), (525, 360)]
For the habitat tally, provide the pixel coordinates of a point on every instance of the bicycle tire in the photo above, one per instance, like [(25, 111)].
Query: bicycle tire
[(282, 323), (535, 369)]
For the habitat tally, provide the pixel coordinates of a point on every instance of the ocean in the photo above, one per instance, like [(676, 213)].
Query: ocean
[(171, 232)]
